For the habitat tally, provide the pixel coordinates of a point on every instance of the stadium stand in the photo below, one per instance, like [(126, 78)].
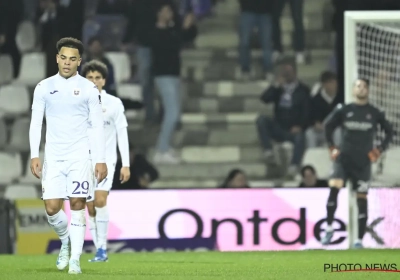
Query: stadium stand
[(217, 130), (32, 69)]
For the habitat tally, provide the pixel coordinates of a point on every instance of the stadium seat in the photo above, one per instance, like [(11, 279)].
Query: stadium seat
[(19, 191), (26, 37), (122, 66), (320, 160), (11, 167), (3, 134), (20, 135), (130, 91), (28, 178), (33, 69), (6, 69), (14, 99)]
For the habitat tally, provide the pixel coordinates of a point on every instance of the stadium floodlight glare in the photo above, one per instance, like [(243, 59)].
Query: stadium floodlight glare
[(372, 51)]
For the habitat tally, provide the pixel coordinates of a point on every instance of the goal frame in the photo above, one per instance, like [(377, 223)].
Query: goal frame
[(351, 18)]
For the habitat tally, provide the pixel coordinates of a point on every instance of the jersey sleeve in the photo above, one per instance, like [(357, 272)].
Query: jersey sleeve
[(121, 125), (35, 128), (97, 124), (333, 120), (119, 117), (387, 128)]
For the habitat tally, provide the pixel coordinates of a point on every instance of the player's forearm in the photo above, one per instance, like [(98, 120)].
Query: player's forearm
[(123, 146), (329, 129), (35, 132), (388, 136)]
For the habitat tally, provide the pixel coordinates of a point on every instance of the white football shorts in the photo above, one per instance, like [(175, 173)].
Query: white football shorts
[(107, 183), (67, 178)]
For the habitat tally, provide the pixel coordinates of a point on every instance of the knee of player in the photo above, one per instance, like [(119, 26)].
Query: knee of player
[(100, 202), (51, 211), (52, 207), (77, 203), (336, 183), (362, 196)]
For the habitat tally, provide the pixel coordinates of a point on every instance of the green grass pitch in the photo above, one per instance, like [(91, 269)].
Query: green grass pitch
[(307, 265)]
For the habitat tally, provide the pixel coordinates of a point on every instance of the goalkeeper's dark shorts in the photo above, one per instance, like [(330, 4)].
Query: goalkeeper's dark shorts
[(359, 175)]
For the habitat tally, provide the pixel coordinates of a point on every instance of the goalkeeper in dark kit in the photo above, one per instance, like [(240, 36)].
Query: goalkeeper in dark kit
[(353, 158)]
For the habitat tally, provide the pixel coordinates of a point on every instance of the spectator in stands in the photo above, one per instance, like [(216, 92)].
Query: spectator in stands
[(11, 14), (291, 99), (296, 7), (255, 13), (95, 51), (322, 103), (236, 179), (142, 172), (310, 179), (142, 17), (55, 22), (166, 42)]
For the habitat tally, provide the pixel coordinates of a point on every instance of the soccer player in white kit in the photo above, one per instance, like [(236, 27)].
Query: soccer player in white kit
[(67, 100), (115, 127)]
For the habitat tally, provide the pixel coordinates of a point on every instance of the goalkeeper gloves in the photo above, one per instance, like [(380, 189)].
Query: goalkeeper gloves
[(334, 152), (374, 154)]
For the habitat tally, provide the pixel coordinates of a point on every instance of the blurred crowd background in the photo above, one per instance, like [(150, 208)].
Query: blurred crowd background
[(218, 93)]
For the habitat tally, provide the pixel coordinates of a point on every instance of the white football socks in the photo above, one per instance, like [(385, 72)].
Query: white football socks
[(77, 233), (102, 226), (93, 230), (59, 222)]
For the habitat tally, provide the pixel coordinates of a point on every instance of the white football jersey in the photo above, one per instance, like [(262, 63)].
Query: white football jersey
[(114, 119), (67, 104)]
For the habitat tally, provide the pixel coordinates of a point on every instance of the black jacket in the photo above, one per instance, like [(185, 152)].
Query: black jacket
[(142, 16), (294, 114), (321, 108), (318, 184), (139, 168), (166, 45), (257, 6)]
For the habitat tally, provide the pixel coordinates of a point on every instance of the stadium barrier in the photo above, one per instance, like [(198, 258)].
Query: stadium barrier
[(7, 227), (222, 219)]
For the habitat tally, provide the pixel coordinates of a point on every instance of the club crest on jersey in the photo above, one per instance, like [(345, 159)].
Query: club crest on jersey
[(77, 92)]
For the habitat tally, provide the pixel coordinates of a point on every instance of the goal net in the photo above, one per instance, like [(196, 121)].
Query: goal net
[(372, 51)]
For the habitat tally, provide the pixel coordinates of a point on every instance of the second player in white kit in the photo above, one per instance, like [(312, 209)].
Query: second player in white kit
[(115, 127)]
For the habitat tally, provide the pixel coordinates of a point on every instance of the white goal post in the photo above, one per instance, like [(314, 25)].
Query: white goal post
[(372, 51)]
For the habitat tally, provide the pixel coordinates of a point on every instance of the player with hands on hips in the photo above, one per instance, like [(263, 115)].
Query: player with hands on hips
[(67, 101), (352, 160), (115, 127)]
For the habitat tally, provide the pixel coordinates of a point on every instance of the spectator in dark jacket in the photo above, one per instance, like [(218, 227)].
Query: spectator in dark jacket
[(310, 179), (142, 17), (291, 115), (255, 13), (142, 173), (95, 51), (322, 104), (167, 39), (11, 14)]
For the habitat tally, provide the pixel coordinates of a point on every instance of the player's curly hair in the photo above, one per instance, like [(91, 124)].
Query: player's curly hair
[(94, 65), (70, 43)]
